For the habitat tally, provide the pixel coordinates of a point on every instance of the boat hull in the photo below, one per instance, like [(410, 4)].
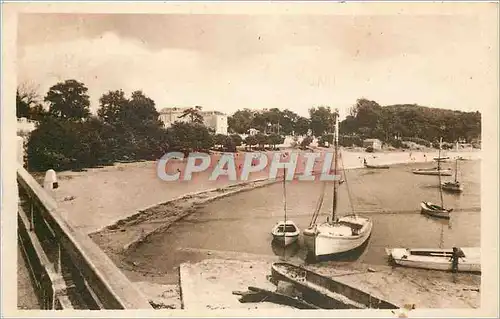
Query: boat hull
[(377, 166), (452, 187), (437, 259), (428, 209), (288, 237), (285, 240), (326, 292), (321, 244), (433, 173)]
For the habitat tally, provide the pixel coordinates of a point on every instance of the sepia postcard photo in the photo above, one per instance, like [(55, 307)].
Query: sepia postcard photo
[(241, 159)]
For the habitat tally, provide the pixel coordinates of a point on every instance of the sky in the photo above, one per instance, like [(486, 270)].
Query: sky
[(229, 62)]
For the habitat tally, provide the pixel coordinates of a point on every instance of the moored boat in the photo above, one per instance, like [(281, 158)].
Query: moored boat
[(435, 210), (436, 259), (326, 292), (343, 235), (433, 171), (285, 232), (432, 209), (441, 158), (336, 235), (455, 185), (377, 166)]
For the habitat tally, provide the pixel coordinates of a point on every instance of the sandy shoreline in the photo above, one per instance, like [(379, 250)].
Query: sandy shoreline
[(97, 198)]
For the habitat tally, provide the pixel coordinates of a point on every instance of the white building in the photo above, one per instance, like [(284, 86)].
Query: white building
[(212, 119), (24, 128)]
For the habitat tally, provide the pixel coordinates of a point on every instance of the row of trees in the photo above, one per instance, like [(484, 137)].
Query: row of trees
[(68, 136), (281, 122), (367, 119), (423, 125), (128, 128)]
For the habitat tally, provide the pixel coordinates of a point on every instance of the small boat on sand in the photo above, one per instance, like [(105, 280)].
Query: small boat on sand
[(377, 166), (441, 158), (325, 292), (435, 210), (433, 171), (436, 259), (285, 232)]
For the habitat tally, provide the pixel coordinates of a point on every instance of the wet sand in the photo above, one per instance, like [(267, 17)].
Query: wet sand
[(209, 284)]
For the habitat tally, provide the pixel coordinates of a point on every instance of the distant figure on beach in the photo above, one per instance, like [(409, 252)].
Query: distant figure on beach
[(457, 254), (364, 161)]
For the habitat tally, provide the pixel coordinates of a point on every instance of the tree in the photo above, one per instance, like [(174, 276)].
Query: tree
[(220, 140), (194, 114), (189, 137), (250, 141), (237, 140), (262, 140), (275, 139), (27, 98), (302, 126), (52, 145), (241, 121), (112, 107), (322, 120), (69, 100)]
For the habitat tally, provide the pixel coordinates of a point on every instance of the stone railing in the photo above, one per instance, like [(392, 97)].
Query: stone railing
[(68, 270)]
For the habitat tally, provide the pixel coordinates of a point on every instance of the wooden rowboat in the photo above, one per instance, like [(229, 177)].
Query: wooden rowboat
[(436, 259), (285, 232), (326, 292), (435, 210)]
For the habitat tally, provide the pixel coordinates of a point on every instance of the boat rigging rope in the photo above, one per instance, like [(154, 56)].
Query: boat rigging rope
[(346, 184), (284, 207)]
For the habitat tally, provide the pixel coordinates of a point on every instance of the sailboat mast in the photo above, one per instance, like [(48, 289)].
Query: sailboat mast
[(284, 208), (284, 197), (439, 171), (335, 182)]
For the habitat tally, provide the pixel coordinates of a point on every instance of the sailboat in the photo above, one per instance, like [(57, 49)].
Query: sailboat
[(433, 209), (285, 232), (454, 186), (336, 235)]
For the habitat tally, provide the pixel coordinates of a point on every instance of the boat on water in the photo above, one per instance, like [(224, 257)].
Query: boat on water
[(433, 171), (441, 158), (326, 292), (436, 259), (285, 232), (336, 235), (377, 166), (432, 209), (435, 210), (453, 186)]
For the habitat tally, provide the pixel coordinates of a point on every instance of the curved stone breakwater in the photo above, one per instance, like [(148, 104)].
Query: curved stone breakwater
[(127, 233)]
